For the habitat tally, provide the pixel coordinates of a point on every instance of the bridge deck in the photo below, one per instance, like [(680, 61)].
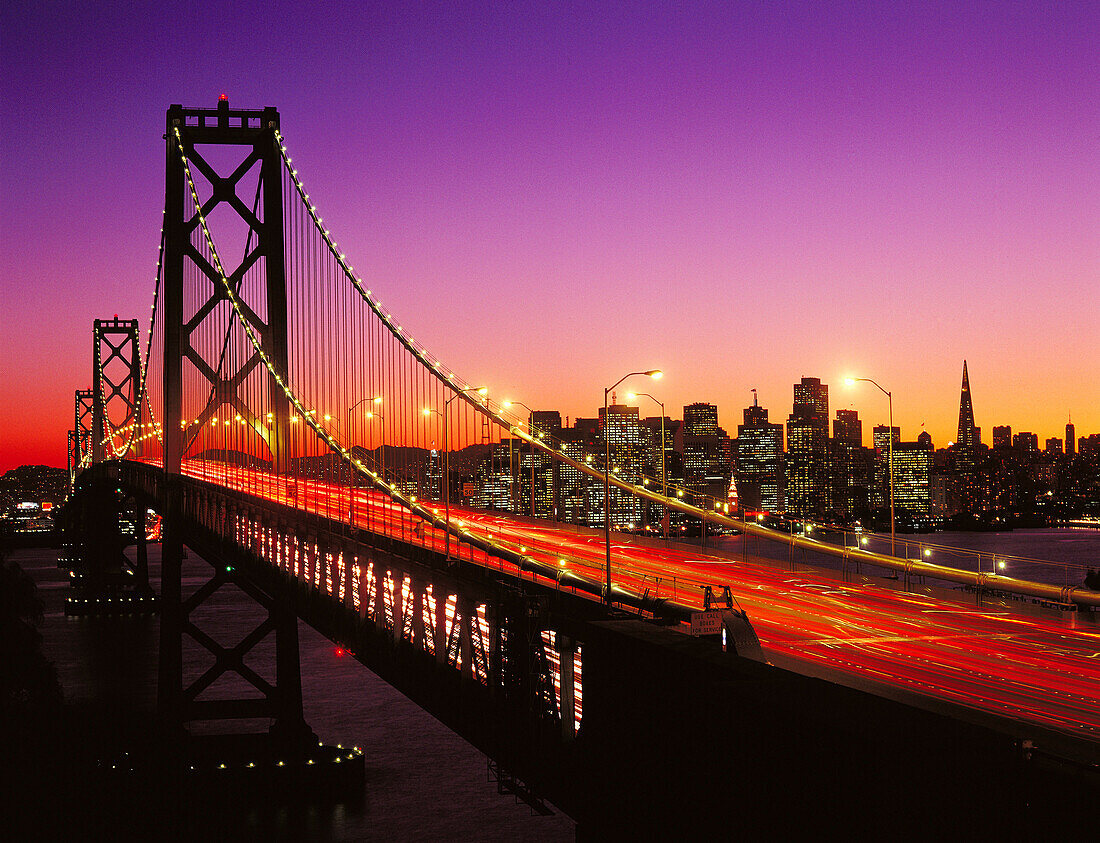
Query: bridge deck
[(1029, 673)]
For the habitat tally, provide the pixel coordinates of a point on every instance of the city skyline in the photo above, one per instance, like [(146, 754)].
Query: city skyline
[(550, 199)]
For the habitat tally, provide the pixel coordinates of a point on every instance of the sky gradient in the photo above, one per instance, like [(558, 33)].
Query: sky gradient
[(551, 195)]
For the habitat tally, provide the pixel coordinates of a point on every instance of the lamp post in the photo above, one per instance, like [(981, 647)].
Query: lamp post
[(664, 476), (446, 481), (530, 427), (382, 442), (889, 456), (374, 399), (652, 373)]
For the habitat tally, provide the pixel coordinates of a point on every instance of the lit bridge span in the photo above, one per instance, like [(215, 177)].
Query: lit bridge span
[(522, 586)]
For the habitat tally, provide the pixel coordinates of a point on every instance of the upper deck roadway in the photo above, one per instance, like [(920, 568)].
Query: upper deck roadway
[(1034, 677)]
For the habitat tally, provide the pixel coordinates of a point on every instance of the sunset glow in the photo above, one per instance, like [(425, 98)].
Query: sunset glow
[(547, 198)]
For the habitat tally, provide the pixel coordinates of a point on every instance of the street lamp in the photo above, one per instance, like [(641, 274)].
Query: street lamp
[(374, 399), (889, 457), (480, 390), (652, 373), (382, 442), (664, 477), (531, 427)]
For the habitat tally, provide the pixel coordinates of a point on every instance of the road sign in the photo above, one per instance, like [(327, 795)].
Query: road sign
[(706, 623)]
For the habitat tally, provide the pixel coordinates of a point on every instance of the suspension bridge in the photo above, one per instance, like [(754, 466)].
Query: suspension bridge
[(289, 430)]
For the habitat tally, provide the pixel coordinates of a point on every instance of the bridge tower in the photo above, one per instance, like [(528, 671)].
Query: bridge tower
[(194, 294), (81, 442), (116, 381)]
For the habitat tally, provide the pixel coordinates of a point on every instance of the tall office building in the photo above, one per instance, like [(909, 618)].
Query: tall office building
[(913, 478), (967, 492), (706, 449), (701, 419), (850, 465), (495, 478), (755, 414), (548, 421), (579, 496), (654, 425), (967, 437), (1002, 437), (760, 474), (848, 428), (880, 437), (627, 444), (1071, 440), (1026, 443), (812, 394), (807, 449)]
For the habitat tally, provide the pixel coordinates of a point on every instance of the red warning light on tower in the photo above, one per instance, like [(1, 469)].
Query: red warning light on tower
[(223, 97)]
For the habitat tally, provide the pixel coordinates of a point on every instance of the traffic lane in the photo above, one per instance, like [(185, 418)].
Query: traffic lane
[(847, 628)]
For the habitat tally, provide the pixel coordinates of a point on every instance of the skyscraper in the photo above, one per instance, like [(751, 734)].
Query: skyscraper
[(850, 471), (881, 436), (706, 451), (760, 460), (848, 428), (913, 477), (965, 454), (701, 419), (627, 444), (1071, 439), (807, 449), (967, 437), (813, 395)]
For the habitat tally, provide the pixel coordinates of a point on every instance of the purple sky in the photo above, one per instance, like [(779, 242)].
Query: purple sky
[(551, 196)]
